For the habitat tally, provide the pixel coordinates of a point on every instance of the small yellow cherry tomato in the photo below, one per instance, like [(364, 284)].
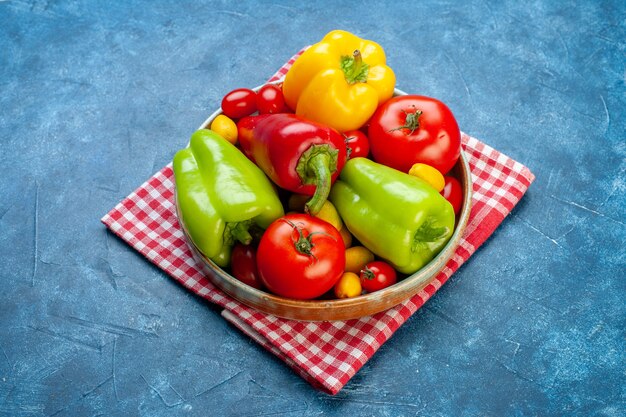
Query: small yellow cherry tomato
[(348, 286), (329, 213), (356, 258), (346, 236), (429, 174), (225, 127)]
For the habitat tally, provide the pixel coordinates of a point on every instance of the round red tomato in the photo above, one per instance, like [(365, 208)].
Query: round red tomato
[(243, 265), (453, 192), (377, 275), (357, 144), (410, 129), (300, 257), (239, 103), (270, 99)]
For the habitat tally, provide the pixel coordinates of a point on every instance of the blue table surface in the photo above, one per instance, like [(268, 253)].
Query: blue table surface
[(97, 96)]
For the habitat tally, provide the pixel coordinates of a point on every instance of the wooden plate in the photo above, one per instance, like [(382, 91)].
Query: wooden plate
[(364, 305)]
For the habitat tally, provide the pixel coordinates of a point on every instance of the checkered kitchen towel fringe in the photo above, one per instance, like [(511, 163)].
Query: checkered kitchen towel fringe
[(326, 354)]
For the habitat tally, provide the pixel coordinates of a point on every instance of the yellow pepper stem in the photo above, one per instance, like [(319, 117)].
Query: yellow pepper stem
[(354, 69)]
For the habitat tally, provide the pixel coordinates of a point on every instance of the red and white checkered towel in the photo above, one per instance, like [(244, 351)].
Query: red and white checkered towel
[(326, 354)]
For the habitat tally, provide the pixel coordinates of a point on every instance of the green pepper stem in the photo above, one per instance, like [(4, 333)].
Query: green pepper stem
[(319, 166), (240, 232), (427, 233)]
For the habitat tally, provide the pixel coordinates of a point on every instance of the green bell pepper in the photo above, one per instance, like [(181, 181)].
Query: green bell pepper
[(397, 216), (221, 194)]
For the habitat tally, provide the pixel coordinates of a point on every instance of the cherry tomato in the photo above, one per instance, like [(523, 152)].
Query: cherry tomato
[(239, 103), (410, 129), (225, 127), (300, 257), (348, 286), (357, 144), (270, 99), (428, 174), (453, 192), (243, 265), (377, 275), (357, 257)]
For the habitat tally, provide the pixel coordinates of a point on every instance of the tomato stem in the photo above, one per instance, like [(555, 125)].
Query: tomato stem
[(347, 139), (411, 121), (368, 273), (303, 245)]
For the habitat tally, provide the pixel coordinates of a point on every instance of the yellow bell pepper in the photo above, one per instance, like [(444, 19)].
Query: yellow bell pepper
[(339, 81)]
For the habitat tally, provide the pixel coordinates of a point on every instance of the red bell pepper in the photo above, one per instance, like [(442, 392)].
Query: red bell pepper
[(298, 155)]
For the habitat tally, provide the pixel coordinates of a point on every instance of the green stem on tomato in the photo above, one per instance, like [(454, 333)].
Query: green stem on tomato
[(411, 121)]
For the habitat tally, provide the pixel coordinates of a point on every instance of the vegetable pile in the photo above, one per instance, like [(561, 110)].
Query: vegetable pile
[(362, 175)]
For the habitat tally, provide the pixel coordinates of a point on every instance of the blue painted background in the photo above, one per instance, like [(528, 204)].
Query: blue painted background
[(96, 96)]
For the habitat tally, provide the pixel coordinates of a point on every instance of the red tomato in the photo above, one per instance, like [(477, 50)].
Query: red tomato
[(300, 257), (357, 144), (270, 99), (410, 129), (377, 275), (453, 192), (243, 265), (239, 103)]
